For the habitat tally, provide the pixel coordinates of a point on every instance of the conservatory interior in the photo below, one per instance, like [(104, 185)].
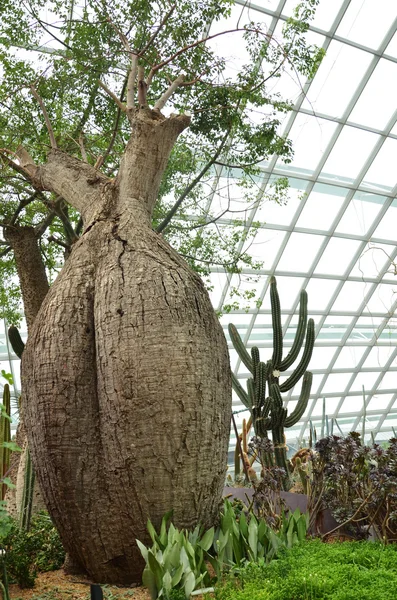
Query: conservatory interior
[(326, 254)]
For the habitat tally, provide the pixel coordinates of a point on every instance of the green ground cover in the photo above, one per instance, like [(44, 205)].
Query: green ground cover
[(314, 570)]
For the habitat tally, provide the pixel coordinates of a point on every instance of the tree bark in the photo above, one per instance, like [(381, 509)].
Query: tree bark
[(30, 268), (126, 370)]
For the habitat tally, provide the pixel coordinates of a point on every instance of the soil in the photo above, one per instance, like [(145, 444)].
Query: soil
[(55, 585)]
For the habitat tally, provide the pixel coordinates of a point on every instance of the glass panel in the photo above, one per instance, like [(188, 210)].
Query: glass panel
[(383, 169), (336, 73), (389, 381), (336, 382), (378, 356), (367, 380), (367, 22), (337, 256), (380, 401), (334, 328), (266, 246), (351, 296), (349, 357), (321, 357), (299, 252), (322, 206), (310, 137), (377, 102), (360, 214), (372, 261), (351, 150), (319, 292), (271, 212), (391, 49), (387, 227), (382, 300)]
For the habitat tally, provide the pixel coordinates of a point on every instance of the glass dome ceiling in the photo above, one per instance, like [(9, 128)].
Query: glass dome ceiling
[(335, 237)]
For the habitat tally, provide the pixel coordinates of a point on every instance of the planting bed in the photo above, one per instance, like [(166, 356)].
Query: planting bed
[(55, 585)]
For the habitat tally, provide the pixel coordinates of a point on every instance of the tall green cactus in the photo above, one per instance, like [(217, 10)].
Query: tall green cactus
[(5, 437), (25, 512), (263, 396)]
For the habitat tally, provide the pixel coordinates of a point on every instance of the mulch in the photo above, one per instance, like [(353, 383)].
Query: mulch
[(55, 585)]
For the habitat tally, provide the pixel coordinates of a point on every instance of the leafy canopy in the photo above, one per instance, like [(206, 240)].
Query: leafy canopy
[(64, 48)]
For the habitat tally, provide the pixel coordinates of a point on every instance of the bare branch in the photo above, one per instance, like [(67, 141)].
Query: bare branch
[(5, 251), (168, 93), (159, 28), (46, 117), (164, 224), (59, 242), (22, 205), (202, 41), (131, 82), (22, 169), (99, 162), (142, 87), (113, 96), (82, 148)]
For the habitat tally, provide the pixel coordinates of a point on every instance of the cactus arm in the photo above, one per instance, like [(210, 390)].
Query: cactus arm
[(241, 393), (239, 347), (276, 322), (260, 384), (300, 408), (5, 436), (300, 334), (306, 356), (255, 361), (27, 498), (16, 341)]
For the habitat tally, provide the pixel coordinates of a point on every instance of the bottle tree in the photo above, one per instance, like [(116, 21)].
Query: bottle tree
[(107, 144)]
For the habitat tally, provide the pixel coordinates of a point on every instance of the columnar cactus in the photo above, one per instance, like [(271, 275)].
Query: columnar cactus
[(5, 436), (263, 397)]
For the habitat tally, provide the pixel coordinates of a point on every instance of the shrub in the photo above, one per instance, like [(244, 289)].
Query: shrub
[(28, 552)]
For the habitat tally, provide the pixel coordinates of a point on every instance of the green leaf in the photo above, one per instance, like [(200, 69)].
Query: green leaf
[(206, 541), (149, 581), (301, 528), (190, 583), (152, 531), (167, 583), (156, 569), (177, 576), (143, 550), (13, 446), (243, 525), (253, 538)]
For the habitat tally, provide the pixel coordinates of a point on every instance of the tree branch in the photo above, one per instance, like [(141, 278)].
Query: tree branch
[(46, 117), (113, 96), (131, 82), (189, 188), (142, 87), (155, 34), (168, 93)]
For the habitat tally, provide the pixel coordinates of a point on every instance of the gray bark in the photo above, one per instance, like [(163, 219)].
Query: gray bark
[(126, 370)]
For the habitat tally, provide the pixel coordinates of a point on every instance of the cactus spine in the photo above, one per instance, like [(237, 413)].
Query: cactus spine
[(263, 396), (5, 436)]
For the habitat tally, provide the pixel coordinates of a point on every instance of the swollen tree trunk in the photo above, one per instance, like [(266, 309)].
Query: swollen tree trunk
[(126, 370)]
